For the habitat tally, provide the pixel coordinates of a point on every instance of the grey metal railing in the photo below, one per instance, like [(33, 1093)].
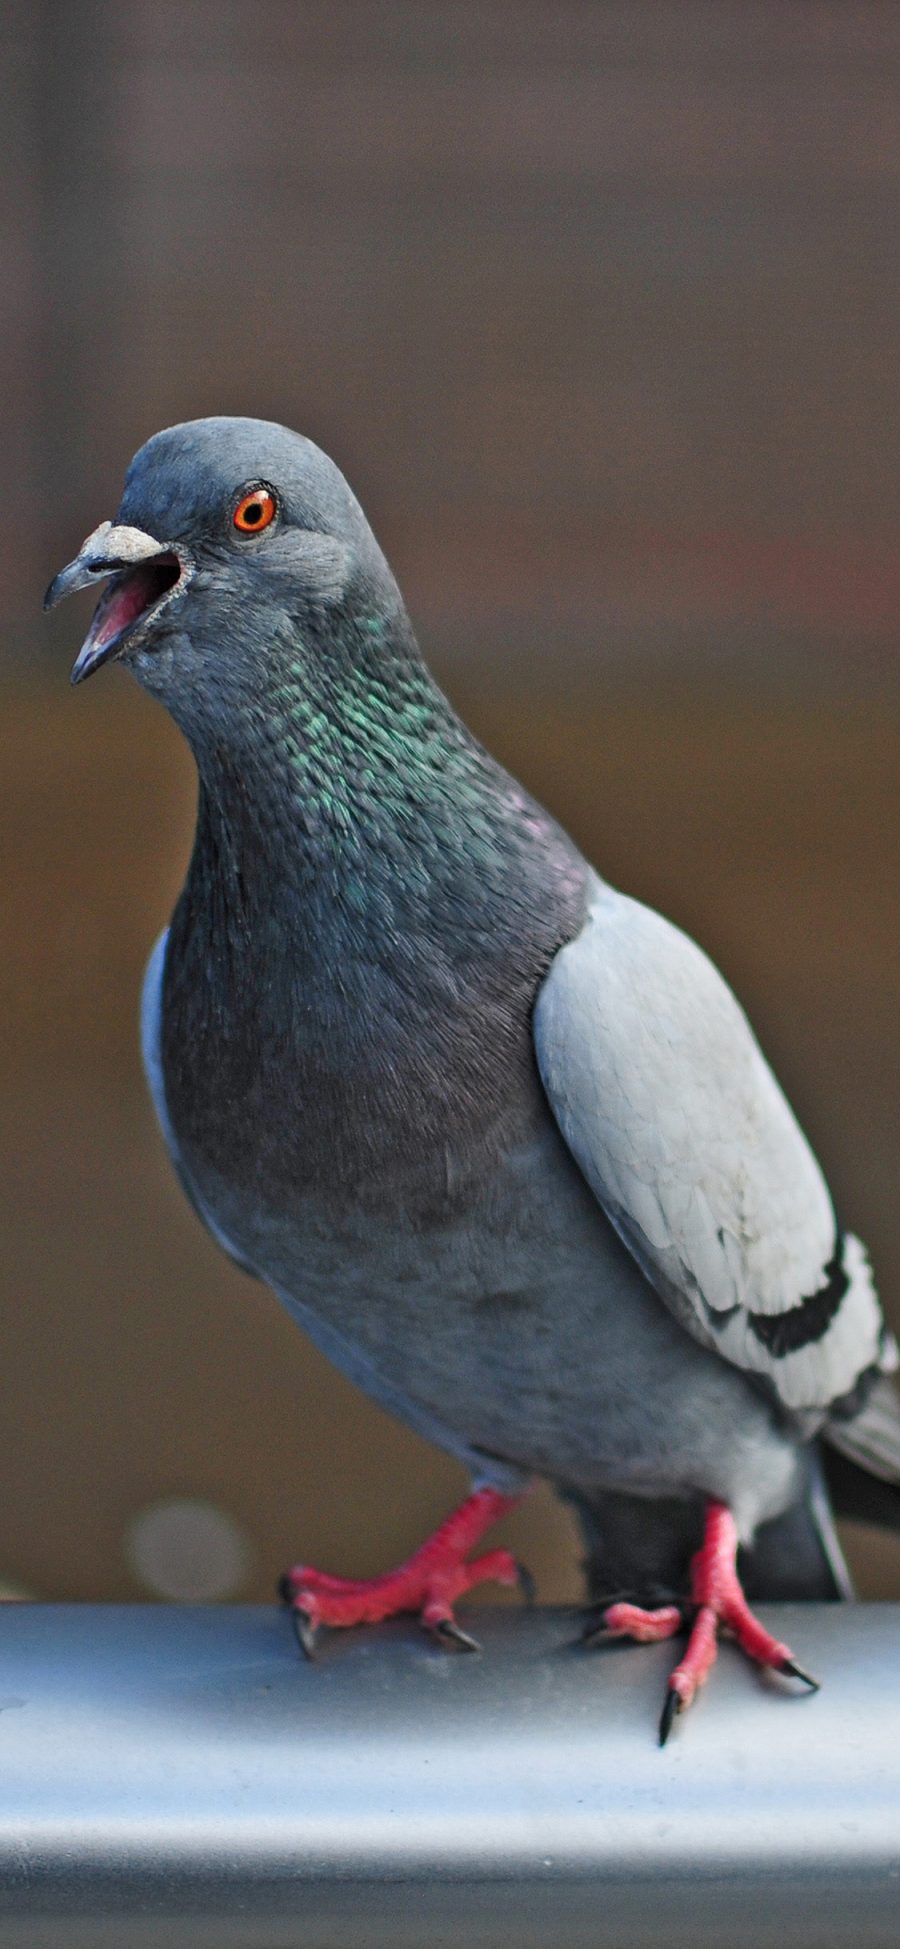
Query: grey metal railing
[(182, 1777)]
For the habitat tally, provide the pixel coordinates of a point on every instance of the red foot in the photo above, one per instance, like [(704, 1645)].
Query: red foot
[(720, 1605), (429, 1582)]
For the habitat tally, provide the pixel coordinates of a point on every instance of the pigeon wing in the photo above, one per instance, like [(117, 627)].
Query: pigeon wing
[(673, 1115)]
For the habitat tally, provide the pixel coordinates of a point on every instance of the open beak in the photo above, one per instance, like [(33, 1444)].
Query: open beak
[(144, 572)]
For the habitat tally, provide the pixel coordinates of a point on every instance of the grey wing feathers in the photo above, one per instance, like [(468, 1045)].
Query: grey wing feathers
[(679, 1126), (151, 1051), (871, 1436)]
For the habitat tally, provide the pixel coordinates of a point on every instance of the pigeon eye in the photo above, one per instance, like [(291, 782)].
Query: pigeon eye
[(255, 510)]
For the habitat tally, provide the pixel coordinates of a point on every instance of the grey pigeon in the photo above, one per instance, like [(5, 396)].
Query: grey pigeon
[(499, 1137)]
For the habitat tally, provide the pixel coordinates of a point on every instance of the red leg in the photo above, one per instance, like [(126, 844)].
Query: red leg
[(720, 1604), (429, 1581)]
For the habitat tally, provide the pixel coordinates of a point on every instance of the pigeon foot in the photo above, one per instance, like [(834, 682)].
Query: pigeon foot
[(429, 1582), (718, 1605)]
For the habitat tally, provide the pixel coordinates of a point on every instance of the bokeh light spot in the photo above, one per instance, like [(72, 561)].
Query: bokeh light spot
[(187, 1550)]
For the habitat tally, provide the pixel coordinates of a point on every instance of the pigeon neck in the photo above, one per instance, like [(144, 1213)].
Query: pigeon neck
[(353, 791), (371, 900)]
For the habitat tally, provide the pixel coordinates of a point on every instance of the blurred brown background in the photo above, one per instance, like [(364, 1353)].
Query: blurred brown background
[(597, 307)]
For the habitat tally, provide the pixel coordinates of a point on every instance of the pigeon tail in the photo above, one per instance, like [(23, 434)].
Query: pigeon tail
[(862, 1459)]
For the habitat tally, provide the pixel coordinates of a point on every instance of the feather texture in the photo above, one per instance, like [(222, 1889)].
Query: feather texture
[(378, 930), (667, 1103)]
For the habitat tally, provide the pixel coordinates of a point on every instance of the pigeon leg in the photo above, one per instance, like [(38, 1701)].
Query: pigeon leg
[(719, 1604), (429, 1582)]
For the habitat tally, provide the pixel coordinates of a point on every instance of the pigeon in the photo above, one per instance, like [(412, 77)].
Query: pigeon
[(498, 1136)]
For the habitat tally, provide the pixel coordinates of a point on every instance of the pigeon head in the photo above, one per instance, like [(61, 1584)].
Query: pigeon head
[(240, 562)]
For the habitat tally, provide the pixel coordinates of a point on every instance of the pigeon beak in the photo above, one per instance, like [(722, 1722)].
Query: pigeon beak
[(145, 571)]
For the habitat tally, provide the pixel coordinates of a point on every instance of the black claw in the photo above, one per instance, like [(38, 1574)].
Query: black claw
[(791, 1669), (526, 1583), (673, 1705), (448, 1629), (304, 1631)]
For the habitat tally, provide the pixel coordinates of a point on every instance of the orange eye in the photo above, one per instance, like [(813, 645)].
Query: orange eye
[(255, 510)]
